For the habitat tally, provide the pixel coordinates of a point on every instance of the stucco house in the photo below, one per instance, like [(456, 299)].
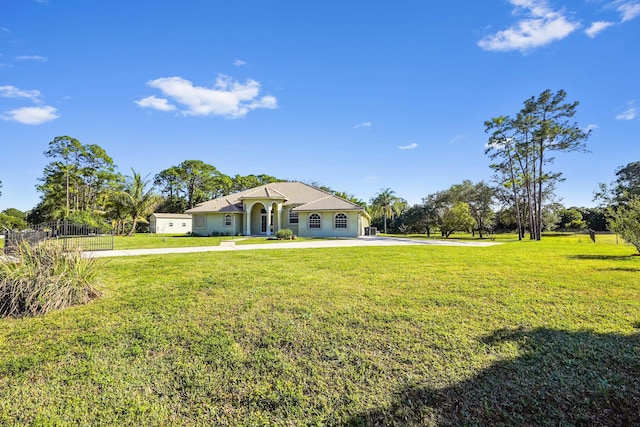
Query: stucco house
[(170, 223), (305, 210)]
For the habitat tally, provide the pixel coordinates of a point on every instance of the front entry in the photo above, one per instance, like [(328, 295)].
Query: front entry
[(263, 223), (259, 221)]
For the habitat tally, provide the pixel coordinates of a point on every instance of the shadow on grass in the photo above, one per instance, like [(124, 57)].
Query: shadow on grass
[(602, 257), (627, 269), (561, 378)]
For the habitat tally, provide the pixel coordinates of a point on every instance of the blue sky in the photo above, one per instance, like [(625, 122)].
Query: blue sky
[(356, 95)]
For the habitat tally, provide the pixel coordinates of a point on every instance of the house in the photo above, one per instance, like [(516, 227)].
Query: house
[(170, 223), (305, 210)]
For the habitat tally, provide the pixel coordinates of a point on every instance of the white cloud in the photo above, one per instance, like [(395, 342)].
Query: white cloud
[(363, 125), (408, 147), (596, 27), (155, 103), (591, 127), (6, 30), (227, 98), (239, 62), (628, 9), (630, 113), (457, 138), (541, 26), (31, 58), (14, 92), (32, 115)]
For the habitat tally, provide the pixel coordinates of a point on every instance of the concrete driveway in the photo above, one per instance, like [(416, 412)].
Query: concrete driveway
[(229, 245)]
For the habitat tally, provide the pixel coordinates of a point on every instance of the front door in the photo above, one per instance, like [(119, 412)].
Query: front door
[(263, 223)]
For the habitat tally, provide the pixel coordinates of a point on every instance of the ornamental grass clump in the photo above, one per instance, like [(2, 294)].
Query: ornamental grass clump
[(42, 277), (284, 234)]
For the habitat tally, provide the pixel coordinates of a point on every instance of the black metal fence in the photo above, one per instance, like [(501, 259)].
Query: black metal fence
[(70, 236)]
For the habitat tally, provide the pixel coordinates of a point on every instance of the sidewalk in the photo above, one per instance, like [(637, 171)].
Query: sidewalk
[(337, 243)]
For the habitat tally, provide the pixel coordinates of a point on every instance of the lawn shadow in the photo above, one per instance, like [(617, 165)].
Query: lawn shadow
[(627, 269), (602, 257), (561, 378)]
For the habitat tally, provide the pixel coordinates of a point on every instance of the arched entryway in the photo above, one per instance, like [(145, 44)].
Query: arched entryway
[(262, 218)]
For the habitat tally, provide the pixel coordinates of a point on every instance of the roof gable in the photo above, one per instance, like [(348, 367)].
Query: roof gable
[(302, 196), (263, 192)]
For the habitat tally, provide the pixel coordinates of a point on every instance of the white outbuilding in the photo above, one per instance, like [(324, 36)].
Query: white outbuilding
[(170, 223)]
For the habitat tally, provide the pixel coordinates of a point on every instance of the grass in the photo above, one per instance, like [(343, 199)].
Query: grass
[(524, 333), (148, 241)]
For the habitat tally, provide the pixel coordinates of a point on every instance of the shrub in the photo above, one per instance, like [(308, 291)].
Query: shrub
[(284, 234), (42, 277)]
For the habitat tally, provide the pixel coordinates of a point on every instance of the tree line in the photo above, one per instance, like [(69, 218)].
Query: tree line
[(521, 196), (81, 184)]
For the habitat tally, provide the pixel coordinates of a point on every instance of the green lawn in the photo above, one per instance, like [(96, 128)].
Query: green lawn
[(524, 333), (147, 241)]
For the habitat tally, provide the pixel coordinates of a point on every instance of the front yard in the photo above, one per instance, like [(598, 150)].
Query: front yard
[(535, 333)]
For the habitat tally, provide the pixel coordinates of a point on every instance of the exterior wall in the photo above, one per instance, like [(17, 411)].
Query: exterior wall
[(215, 223), (170, 225), (364, 222), (327, 228), (285, 222)]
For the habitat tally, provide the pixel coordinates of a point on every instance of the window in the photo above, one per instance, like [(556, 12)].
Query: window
[(293, 217), (340, 221), (184, 224), (227, 220), (314, 220), (170, 224), (198, 221)]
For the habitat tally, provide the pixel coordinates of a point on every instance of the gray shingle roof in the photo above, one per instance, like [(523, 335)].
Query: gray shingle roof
[(302, 196)]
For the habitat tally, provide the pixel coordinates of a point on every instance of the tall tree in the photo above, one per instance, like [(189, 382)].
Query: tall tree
[(502, 147), (387, 205), (194, 181), (436, 206), (627, 181), (480, 198), (136, 200), (524, 146), (414, 220), (198, 180), (65, 151), (457, 218), (241, 183), (571, 219), (78, 178)]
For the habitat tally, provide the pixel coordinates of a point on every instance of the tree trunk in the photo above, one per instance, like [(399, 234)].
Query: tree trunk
[(385, 222), (133, 226)]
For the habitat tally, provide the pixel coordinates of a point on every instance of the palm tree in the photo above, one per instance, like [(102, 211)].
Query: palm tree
[(135, 200), (387, 204)]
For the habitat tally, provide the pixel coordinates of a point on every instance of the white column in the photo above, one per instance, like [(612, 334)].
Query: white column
[(280, 216), (268, 209), (247, 221)]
